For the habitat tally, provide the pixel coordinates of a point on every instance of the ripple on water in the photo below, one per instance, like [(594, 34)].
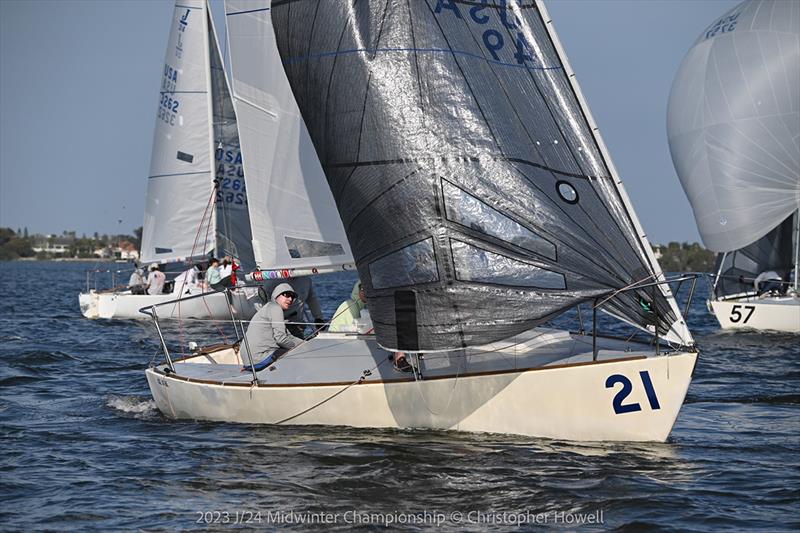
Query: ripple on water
[(84, 446), (137, 406)]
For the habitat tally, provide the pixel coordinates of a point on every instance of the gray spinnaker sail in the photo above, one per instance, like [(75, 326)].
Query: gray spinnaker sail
[(772, 252), (476, 197), (733, 123), (234, 236)]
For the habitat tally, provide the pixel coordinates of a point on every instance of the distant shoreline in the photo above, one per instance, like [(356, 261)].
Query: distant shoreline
[(71, 260)]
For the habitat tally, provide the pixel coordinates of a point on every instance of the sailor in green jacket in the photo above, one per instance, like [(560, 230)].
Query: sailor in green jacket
[(345, 316)]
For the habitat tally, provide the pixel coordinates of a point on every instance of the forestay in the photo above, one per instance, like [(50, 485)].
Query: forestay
[(294, 221), (477, 198), (177, 217), (734, 123)]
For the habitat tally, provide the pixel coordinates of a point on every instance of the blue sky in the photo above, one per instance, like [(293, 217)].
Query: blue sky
[(79, 87)]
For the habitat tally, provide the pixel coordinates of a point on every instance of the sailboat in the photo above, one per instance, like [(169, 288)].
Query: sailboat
[(733, 124), (479, 202), (196, 203)]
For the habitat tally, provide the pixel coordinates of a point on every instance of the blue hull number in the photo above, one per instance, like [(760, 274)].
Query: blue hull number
[(627, 387)]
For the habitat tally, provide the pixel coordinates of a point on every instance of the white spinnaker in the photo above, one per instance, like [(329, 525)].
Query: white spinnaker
[(178, 221), (733, 123), (288, 194)]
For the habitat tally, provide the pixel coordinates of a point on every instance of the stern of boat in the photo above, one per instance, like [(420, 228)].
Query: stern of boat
[(772, 313)]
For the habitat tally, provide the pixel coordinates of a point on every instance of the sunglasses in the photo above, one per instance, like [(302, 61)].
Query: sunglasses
[(287, 295)]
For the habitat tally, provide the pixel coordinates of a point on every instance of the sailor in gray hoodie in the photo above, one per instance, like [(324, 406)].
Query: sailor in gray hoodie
[(266, 335)]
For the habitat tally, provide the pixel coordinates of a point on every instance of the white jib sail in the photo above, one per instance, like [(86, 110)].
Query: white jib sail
[(178, 220), (293, 217)]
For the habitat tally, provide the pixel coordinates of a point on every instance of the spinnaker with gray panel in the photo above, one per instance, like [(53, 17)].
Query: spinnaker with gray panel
[(476, 193), (733, 124)]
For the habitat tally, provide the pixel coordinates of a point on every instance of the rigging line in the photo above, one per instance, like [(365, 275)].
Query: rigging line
[(363, 376), (233, 13), (613, 294), (191, 262), (211, 201)]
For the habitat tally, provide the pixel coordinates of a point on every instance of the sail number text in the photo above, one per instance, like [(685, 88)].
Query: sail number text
[(168, 104), (230, 175), (627, 387), (736, 314), (493, 40)]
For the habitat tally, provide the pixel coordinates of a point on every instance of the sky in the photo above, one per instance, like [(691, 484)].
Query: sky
[(79, 85)]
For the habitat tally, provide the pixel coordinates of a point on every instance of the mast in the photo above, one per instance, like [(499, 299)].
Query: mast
[(210, 108), (719, 272)]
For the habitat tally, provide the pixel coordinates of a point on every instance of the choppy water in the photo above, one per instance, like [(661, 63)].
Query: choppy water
[(83, 446)]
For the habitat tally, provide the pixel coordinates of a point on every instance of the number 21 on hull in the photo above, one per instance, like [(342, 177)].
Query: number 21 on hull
[(627, 388)]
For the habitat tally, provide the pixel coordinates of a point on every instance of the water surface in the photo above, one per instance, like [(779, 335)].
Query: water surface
[(85, 448)]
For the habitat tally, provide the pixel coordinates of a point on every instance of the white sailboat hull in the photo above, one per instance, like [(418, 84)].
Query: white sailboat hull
[(124, 305), (774, 314), (564, 396)]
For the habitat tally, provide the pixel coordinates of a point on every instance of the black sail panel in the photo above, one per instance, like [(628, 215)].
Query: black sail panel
[(234, 236), (473, 192), (773, 252)]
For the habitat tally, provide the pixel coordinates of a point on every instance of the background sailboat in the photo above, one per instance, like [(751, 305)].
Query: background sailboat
[(734, 132), (479, 202), (196, 202)]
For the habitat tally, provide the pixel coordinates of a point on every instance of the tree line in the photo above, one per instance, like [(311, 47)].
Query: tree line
[(673, 257), (20, 245), (685, 257)]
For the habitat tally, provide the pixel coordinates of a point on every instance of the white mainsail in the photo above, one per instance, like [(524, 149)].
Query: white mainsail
[(294, 220), (733, 123), (179, 199)]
